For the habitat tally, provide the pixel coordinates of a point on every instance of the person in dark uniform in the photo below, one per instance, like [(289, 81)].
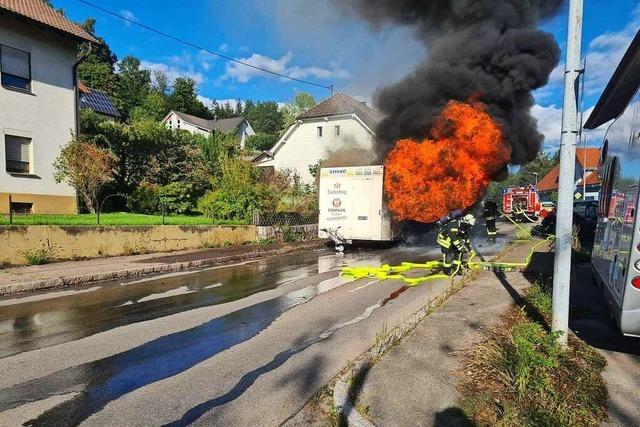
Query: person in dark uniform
[(490, 213), (450, 244), (465, 224)]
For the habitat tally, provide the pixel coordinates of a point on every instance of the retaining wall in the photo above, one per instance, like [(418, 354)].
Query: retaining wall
[(73, 242), (286, 232)]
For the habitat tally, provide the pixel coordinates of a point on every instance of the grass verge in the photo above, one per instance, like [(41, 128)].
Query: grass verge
[(113, 218), (520, 375)]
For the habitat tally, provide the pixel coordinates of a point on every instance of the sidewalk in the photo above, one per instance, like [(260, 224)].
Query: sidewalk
[(70, 273), (413, 384)]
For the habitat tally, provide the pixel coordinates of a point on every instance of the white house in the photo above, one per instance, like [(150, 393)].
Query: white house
[(198, 125), (334, 123), (38, 104)]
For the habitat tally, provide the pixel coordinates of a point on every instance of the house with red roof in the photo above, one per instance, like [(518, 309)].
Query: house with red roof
[(586, 179), (39, 102)]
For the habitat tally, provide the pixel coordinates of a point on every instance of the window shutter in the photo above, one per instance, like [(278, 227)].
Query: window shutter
[(15, 62), (17, 148)]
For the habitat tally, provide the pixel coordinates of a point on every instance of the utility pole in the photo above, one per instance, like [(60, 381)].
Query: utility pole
[(566, 185)]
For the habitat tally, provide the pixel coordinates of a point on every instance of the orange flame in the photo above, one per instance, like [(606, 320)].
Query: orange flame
[(425, 180)]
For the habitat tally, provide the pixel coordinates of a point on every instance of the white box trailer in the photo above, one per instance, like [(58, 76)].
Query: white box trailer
[(352, 207)]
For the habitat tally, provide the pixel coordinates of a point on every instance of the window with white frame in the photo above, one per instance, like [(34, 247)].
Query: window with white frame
[(319, 131), (15, 66), (17, 154)]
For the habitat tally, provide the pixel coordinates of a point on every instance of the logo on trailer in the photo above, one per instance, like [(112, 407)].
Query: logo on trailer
[(336, 202)]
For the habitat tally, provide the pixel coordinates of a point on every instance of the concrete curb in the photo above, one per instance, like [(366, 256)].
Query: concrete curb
[(58, 282), (343, 386), (341, 391)]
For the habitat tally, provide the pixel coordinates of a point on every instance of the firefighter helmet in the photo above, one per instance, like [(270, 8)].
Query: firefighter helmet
[(470, 219)]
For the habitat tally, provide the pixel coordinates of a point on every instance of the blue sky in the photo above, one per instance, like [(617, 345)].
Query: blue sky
[(312, 40)]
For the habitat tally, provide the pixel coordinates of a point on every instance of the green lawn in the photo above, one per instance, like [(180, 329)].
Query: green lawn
[(115, 218)]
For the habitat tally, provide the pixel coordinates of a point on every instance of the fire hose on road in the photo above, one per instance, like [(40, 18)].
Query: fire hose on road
[(396, 272)]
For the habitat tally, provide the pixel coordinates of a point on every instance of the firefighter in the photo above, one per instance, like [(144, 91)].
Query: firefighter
[(490, 213), (464, 233), (449, 243)]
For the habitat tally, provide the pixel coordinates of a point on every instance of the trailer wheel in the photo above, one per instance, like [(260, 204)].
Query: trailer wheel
[(340, 248)]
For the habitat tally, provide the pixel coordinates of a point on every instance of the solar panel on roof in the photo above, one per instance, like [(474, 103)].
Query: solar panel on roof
[(99, 102)]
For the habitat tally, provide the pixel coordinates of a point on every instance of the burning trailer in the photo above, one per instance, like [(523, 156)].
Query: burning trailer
[(352, 206)]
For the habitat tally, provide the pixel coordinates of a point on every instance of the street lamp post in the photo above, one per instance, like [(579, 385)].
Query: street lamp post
[(569, 136)]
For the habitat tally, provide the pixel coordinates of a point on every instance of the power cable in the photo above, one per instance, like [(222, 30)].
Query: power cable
[(204, 49)]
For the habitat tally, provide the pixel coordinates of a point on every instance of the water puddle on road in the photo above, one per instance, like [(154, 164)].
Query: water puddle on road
[(104, 380), (99, 382), (42, 320)]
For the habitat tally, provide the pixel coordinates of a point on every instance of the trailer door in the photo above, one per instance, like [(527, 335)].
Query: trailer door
[(360, 218)]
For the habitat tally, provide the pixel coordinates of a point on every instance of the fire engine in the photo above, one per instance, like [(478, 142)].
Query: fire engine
[(522, 203)]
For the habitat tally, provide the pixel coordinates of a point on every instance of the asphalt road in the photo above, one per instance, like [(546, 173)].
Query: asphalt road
[(245, 344)]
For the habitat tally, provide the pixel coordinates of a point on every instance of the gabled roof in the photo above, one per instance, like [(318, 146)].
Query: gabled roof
[(97, 101), (549, 181), (341, 104), (194, 120), (227, 125), (620, 89), (39, 12), (222, 125), (592, 178), (588, 157)]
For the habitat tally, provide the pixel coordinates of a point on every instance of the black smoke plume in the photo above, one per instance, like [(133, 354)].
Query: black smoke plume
[(489, 50)]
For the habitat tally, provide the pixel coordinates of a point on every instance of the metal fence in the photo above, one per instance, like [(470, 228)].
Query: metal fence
[(284, 218)]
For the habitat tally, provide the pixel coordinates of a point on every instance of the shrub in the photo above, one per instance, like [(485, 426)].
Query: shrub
[(237, 193), (261, 141), (178, 197), (145, 199)]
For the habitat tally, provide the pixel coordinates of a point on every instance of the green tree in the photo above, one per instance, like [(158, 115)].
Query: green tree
[(154, 107), (161, 82), (133, 85), (86, 168), (184, 97), (541, 165), (237, 193), (261, 141), (265, 117), (299, 104), (217, 148), (239, 111), (97, 68)]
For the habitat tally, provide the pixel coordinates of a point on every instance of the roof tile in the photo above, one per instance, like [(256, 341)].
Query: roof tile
[(340, 104), (39, 11)]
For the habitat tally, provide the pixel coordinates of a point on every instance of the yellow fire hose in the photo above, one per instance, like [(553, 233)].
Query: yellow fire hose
[(389, 272)]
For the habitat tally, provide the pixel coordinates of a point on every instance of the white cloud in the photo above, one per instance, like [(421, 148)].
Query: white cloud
[(606, 51), (128, 15), (172, 72), (549, 124), (602, 56), (243, 74), (223, 47)]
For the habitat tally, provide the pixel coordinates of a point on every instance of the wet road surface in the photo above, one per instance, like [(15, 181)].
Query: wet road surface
[(245, 343)]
